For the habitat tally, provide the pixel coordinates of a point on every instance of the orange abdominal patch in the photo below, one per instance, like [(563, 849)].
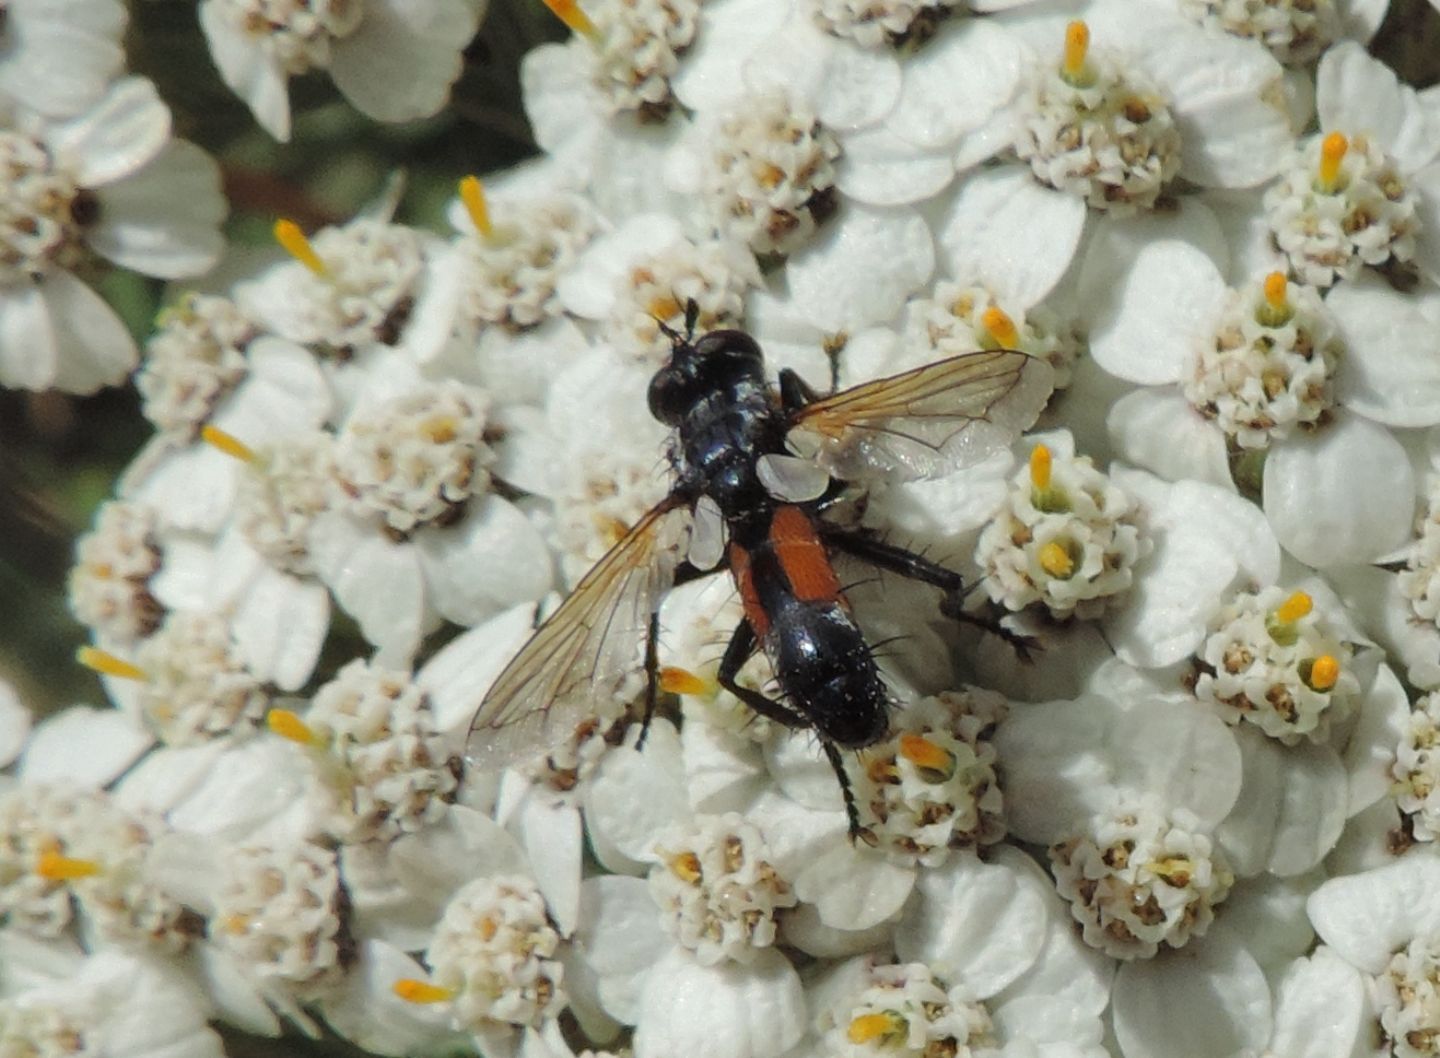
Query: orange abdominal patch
[(745, 584), (803, 557)]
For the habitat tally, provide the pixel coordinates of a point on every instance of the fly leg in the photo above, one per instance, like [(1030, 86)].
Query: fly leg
[(684, 573), (917, 567), (795, 392), (742, 645)]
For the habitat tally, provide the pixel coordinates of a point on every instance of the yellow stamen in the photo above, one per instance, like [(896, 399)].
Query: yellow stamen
[(1332, 153), (236, 925), (227, 442), (1324, 671), (1276, 311), (686, 867), (107, 664), (1294, 608), (1040, 463), (568, 12), (1056, 561), (441, 429), (293, 241), (413, 991), (472, 194), (288, 724), (868, 1028), (488, 928), (1074, 69), (683, 681), (1001, 328), (57, 868), (926, 755)]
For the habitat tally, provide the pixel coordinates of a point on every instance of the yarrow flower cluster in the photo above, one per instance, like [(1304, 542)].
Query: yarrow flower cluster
[(1270, 659), (1196, 264)]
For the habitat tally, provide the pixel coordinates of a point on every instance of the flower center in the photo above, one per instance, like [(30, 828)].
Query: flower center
[(637, 46), (297, 34), (1138, 880), (1067, 540), (109, 583), (493, 957), (43, 213), (1341, 205), (1295, 33), (716, 889), (878, 23), (1270, 659), (1269, 369), (905, 1011), (1093, 129)]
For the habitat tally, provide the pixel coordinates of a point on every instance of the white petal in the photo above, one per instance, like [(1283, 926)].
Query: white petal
[(561, 103), (1370, 751), (284, 394), (433, 863), (1342, 494), (248, 69), (399, 63), (589, 288), (1391, 372), (802, 927), (620, 932), (862, 268), (1291, 808), (1207, 999), (1064, 759), (1268, 914), (61, 57), (93, 347), (634, 794), (1321, 1009), (1160, 430), (14, 723), (166, 777), (251, 791), (1368, 840), (191, 488), (83, 747), (376, 581), (1229, 104), (955, 84), (1367, 917), (754, 1010), (711, 77), (978, 925), (851, 888), (366, 1011), (29, 351), (123, 132), (1426, 186), (1067, 971), (1355, 93), (1010, 234), (280, 626), (878, 168), (494, 558), (1169, 302), (460, 673), (164, 221), (552, 837), (850, 87)]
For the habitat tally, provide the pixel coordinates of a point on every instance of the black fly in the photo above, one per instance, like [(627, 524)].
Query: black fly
[(753, 469)]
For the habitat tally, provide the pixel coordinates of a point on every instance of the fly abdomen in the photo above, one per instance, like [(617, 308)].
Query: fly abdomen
[(827, 672)]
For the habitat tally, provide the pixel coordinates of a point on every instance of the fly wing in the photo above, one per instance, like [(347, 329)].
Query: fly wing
[(924, 422), (583, 650)]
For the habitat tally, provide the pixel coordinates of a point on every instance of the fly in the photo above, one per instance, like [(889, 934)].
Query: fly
[(754, 467)]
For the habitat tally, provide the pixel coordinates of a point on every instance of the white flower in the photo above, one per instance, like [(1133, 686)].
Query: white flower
[(109, 182), (107, 1004), (393, 61), (411, 471), (1358, 190), (195, 358), (110, 582), (1340, 491), (59, 58)]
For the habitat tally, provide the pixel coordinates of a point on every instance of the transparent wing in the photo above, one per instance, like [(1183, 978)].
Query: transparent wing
[(939, 417), (583, 650)]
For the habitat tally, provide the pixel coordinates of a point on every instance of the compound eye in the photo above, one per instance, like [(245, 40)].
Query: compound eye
[(667, 396), (736, 345)]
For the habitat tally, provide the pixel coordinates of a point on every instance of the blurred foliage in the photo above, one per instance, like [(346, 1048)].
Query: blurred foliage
[(60, 456)]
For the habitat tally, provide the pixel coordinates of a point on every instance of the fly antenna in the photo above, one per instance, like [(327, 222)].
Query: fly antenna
[(692, 316)]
